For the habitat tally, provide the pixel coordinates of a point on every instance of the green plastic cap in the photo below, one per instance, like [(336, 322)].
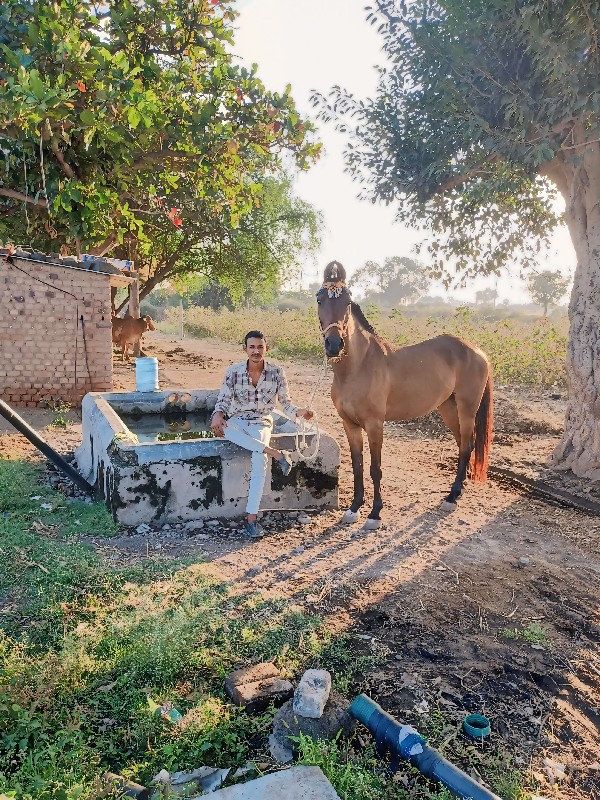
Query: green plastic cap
[(477, 726), (361, 708)]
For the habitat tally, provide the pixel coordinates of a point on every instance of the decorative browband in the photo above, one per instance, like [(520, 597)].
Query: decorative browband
[(334, 288)]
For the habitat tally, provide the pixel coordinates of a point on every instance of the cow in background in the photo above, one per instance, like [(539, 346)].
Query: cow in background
[(128, 331)]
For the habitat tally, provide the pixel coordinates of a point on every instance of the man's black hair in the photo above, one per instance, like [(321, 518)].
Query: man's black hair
[(254, 335)]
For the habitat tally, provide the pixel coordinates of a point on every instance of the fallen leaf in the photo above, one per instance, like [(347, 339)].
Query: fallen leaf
[(39, 566), (107, 687), (45, 530)]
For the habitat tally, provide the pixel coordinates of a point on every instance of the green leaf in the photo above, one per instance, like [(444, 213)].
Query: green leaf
[(87, 117), (133, 116), (37, 85)]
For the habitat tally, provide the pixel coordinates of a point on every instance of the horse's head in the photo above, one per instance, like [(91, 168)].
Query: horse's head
[(333, 299)]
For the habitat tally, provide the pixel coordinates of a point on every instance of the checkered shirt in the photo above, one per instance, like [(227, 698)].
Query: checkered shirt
[(239, 398)]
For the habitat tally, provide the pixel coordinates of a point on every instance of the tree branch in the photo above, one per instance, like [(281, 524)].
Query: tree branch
[(106, 246), (458, 180), (555, 171), (157, 156), (9, 212), (24, 198), (66, 168), (159, 275)]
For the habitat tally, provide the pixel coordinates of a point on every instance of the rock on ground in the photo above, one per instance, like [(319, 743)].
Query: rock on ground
[(335, 718)]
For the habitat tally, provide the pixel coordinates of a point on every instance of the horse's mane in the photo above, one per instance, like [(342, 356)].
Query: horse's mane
[(358, 315)]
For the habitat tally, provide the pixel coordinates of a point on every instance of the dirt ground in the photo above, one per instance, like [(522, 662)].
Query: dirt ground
[(493, 609)]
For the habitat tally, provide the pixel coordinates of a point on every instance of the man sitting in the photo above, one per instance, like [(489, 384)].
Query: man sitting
[(247, 397)]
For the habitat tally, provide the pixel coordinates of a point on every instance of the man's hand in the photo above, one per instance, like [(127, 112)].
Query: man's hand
[(218, 424), (305, 413)]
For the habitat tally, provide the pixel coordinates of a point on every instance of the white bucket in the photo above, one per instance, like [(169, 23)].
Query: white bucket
[(146, 374)]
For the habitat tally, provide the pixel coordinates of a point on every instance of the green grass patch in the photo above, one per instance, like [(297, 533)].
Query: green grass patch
[(534, 633), (83, 644), (491, 759), (42, 569), (359, 774)]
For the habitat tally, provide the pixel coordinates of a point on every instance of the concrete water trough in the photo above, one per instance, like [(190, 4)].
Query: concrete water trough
[(152, 458)]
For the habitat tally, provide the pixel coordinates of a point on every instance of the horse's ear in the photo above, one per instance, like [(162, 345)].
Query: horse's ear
[(334, 273)]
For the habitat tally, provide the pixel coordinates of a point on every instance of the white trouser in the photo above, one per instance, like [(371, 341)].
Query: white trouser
[(254, 436)]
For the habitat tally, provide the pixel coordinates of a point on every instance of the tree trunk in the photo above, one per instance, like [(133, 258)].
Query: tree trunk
[(579, 449)]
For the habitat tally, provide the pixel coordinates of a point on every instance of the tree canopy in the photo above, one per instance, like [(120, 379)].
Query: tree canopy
[(477, 102), (398, 280), (249, 262), (483, 109), (127, 117), (547, 287), (486, 297)]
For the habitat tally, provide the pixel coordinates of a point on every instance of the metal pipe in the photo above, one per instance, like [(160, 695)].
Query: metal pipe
[(51, 454), (402, 741)]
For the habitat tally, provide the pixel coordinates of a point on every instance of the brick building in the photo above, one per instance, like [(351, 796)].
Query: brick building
[(55, 332)]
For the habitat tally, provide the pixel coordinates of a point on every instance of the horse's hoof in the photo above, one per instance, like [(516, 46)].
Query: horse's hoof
[(448, 507), (371, 524), (350, 517)]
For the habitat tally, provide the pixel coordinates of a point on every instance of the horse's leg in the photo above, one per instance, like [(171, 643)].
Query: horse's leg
[(375, 435), (449, 413), (461, 420), (354, 434)]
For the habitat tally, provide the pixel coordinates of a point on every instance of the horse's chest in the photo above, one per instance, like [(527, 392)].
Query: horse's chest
[(355, 402)]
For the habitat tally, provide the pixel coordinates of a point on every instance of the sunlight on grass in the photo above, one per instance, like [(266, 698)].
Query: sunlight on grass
[(83, 645), (358, 774)]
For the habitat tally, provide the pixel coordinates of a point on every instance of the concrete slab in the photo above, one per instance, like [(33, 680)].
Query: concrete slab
[(296, 783)]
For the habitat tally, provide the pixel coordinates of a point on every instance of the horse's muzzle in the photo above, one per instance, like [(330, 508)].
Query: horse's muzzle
[(334, 345)]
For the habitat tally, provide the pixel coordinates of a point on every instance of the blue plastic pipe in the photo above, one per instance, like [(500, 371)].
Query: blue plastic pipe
[(403, 742)]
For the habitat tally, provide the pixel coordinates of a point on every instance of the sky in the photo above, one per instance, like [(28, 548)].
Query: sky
[(316, 44)]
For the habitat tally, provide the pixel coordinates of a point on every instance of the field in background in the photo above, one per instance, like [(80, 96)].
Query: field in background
[(523, 349)]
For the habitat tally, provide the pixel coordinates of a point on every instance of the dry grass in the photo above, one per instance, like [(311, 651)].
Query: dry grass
[(522, 349)]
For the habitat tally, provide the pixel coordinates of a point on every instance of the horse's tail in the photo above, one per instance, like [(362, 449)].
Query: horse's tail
[(484, 420)]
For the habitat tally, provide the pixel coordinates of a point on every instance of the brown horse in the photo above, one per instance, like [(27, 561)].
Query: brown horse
[(375, 381)]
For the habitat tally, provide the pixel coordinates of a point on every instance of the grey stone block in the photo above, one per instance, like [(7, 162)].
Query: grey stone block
[(280, 753), (312, 693)]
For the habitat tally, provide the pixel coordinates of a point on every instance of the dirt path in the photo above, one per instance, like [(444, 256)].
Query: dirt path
[(494, 608)]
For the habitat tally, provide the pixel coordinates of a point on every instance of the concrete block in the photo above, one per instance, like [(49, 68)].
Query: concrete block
[(297, 783), (158, 482), (312, 693), (281, 754), (257, 686)]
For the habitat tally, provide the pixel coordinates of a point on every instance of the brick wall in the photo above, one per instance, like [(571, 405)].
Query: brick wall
[(42, 344)]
